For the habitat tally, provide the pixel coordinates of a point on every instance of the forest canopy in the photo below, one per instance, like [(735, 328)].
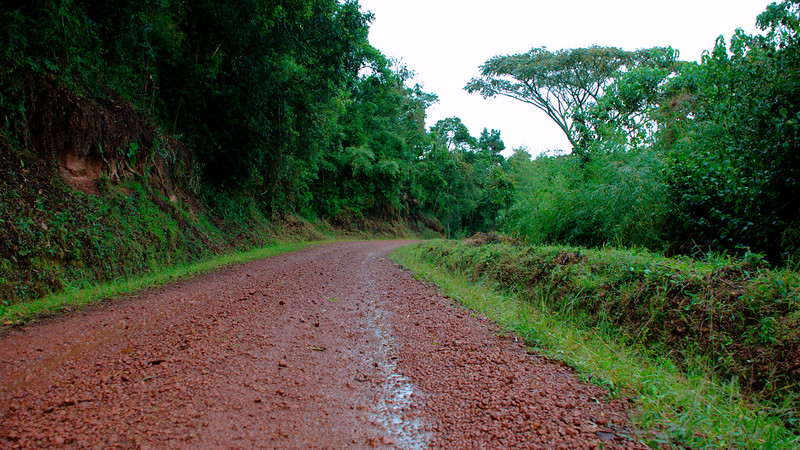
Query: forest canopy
[(285, 103)]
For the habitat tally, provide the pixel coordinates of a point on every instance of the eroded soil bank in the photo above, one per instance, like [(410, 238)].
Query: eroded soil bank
[(330, 347)]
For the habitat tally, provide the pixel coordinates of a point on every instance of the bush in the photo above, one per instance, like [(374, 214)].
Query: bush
[(738, 316), (616, 198)]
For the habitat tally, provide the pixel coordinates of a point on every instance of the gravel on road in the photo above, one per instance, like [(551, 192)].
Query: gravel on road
[(334, 346)]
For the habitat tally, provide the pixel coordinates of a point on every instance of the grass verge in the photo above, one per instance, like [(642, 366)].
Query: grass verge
[(682, 405), (77, 296)]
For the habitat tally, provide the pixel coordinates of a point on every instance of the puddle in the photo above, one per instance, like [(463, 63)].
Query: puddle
[(392, 408), (397, 401)]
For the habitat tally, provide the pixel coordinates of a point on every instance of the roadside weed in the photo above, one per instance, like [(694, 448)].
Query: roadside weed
[(677, 405), (81, 295)]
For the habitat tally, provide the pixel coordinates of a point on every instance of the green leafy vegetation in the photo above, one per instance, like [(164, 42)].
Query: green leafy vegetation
[(80, 295), (615, 199), (668, 155), (734, 167), (705, 348), (57, 238), (571, 86), (285, 104), (137, 135)]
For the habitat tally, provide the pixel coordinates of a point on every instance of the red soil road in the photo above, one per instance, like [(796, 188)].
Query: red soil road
[(331, 347)]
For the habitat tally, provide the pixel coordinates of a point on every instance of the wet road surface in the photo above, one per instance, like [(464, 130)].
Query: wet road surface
[(334, 346)]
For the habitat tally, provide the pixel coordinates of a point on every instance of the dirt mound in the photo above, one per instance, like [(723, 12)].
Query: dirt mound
[(88, 137)]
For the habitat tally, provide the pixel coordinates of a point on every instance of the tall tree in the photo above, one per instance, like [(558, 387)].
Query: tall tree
[(452, 134), (490, 145), (628, 112), (368, 170), (563, 84), (462, 179)]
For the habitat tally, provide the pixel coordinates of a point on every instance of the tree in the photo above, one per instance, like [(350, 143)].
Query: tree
[(735, 174), (628, 112), (462, 180), (563, 84), (453, 134), (255, 90), (490, 145), (367, 172)]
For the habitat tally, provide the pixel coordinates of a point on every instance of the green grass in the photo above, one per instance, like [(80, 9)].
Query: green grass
[(742, 317), (676, 406), (79, 297)]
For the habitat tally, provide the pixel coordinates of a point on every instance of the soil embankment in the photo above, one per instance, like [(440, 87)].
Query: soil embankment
[(333, 346)]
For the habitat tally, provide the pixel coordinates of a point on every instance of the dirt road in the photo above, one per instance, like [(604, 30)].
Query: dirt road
[(330, 347)]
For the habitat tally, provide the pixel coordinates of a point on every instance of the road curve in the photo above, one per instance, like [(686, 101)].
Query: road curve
[(334, 346)]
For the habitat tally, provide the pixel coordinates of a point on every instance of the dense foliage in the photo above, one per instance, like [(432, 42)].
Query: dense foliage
[(242, 112), (614, 198), (286, 102), (675, 156), (250, 85), (735, 165)]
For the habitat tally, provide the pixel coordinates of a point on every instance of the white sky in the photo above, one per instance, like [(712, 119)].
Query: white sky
[(444, 42)]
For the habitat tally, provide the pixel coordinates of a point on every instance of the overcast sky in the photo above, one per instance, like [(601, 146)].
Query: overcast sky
[(444, 42)]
